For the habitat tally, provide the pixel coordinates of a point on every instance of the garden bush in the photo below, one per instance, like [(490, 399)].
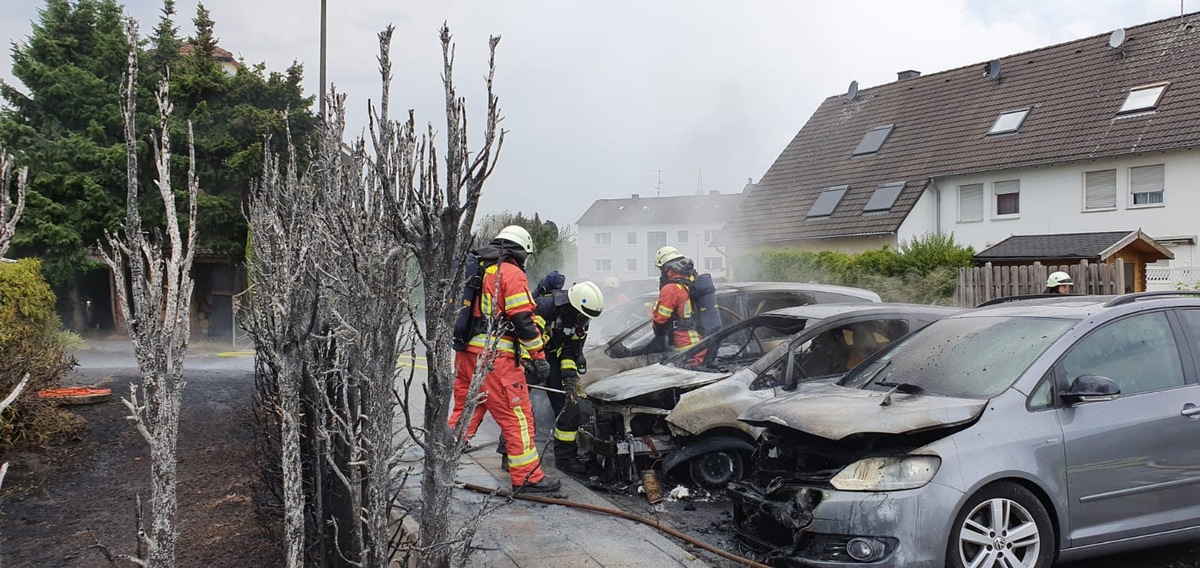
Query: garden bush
[(922, 270), (30, 342)]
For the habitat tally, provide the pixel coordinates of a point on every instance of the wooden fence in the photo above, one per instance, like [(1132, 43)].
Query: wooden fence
[(982, 283)]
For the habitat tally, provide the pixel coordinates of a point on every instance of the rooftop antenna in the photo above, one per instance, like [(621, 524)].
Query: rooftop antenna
[(852, 92), (1116, 40), (699, 182), (992, 70), (658, 186)]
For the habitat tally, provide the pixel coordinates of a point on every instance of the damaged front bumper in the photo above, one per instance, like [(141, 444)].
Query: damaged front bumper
[(815, 526), (626, 438)]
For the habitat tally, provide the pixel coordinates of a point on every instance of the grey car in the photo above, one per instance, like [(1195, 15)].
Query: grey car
[(634, 345), (683, 411), (1010, 435)]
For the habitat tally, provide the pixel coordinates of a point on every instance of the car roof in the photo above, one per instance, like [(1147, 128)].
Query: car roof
[(826, 311), (1082, 306), (734, 287)]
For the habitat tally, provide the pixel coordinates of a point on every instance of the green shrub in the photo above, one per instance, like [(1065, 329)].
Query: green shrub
[(923, 270), (30, 343)]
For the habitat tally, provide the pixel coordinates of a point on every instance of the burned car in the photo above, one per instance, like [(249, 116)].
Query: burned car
[(672, 414), (1010, 435), (635, 346)]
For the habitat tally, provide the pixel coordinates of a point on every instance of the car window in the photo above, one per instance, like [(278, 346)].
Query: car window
[(1043, 395), (760, 302), (1138, 353), (968, 357), (841, 348), (638, 342), (1191, 319), (774, 376), (742, 344)]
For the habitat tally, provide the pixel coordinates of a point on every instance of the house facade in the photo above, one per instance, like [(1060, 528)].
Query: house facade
[(1089, 135), (619, 237)]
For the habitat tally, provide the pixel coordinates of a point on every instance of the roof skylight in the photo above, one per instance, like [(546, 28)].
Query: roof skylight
[(1009, 121), (827, 201), (1143, 98), (884, 197), (873, 140)]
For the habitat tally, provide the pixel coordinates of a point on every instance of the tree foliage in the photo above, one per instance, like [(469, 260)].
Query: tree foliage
[(553, 246), (67, 120)]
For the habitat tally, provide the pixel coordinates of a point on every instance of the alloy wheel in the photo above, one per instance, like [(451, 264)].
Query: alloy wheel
[(1000, 533)]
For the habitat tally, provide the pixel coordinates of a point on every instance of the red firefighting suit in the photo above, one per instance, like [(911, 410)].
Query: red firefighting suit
[(506, 395)]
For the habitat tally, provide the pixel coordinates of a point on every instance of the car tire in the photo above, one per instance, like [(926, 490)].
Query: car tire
[(714, 470), (1003, 521)]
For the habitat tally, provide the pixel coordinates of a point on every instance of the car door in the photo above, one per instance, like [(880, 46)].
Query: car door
[(1129, 469)]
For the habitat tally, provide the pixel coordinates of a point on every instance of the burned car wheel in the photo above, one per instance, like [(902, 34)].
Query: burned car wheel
[(714, 470), (1002, 525)]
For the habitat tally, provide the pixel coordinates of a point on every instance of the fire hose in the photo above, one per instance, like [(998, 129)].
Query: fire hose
[(618, 513)]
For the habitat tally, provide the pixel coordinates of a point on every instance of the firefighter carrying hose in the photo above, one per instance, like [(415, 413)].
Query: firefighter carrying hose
[(674, 311), (504, 294), (563, 317)]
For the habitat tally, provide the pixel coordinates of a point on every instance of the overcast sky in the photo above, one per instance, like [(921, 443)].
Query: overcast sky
[(600, 96)]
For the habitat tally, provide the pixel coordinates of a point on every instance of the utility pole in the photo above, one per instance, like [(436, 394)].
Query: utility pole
[(321, 98)]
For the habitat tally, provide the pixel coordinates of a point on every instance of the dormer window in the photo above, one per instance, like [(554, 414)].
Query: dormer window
[(884, 197), (1010, 121), (827, 201), (873, 140), (1144, 98)]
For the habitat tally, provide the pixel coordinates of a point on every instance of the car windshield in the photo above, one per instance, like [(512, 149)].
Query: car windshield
[(741, 344), (969, 357), (617, 319)]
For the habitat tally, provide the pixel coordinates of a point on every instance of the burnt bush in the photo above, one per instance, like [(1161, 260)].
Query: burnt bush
[(30, 343)]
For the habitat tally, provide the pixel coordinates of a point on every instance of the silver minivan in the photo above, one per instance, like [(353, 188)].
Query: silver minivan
[(1016, 434)]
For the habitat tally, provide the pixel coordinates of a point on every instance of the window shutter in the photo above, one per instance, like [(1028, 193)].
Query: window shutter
[(1100, 189), (1010, 186), (1146, 184), (970, 202)]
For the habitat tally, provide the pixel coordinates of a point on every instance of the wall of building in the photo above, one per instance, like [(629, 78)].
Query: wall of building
[(619, 252), (1052, 201), (922, 219)]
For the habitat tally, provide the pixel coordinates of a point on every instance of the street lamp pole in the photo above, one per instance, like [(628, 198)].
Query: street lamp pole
[(321, 98)]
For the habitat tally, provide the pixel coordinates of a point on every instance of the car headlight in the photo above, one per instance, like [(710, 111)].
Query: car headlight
[(887, 474)]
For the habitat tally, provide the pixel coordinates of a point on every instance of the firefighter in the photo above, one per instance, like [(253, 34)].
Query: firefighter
[(1059, 283), (674, 310), (612, 287), (563, 317), (504, 294)]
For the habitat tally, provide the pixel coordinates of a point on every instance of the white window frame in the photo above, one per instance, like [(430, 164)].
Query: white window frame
[(710, 265), (997, 192), (603, 265), (1162, 187), (1097, 175), (1129, 107), (1020, 115), (631, 265), (604, 239), (982, 203)]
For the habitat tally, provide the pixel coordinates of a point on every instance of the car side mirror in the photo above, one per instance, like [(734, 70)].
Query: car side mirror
[(1091, 388)]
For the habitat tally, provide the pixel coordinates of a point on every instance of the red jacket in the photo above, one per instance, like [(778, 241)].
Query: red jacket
[(514, 304), (674, 303)]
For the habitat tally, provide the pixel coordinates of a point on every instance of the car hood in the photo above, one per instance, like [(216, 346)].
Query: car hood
[(637, 382), (834, 412)]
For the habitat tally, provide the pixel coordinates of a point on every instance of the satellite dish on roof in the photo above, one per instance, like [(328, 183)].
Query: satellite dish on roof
[(852, 92), (992, 69), (1117, 38)]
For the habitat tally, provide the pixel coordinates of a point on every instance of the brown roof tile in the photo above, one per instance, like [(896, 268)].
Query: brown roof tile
[(1074, 90)]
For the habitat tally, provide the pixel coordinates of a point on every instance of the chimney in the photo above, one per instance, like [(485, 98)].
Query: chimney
[(635, 196), (906, 75)]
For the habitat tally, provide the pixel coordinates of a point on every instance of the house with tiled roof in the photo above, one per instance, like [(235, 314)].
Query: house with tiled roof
[(618, 237), (1097, 134)]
